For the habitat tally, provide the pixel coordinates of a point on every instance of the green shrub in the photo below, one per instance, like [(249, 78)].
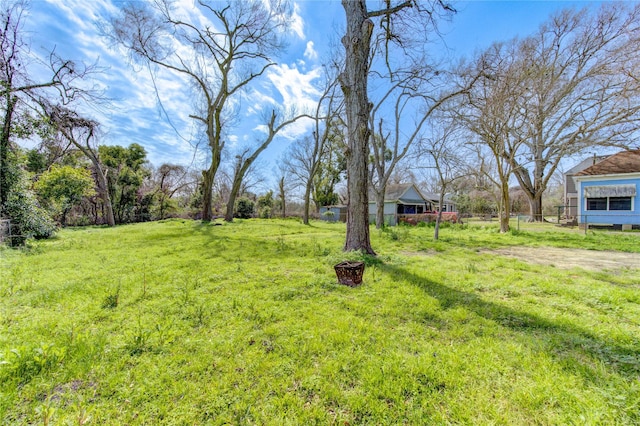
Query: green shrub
[(265, 213), (28, 219), (244, 208)]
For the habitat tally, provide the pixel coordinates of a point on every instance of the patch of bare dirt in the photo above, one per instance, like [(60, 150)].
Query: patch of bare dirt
[(568, 258)]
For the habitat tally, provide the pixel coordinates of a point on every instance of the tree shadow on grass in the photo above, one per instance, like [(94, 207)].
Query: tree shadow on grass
[(570, 340)]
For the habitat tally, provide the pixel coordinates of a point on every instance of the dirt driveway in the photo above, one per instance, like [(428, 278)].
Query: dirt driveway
[(568, 258)]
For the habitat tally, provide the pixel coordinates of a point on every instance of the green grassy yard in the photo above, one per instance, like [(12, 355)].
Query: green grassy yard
[(177, 322)]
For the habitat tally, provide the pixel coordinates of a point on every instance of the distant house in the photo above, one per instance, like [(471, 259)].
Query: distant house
[(399, 200), (447, 205), (607, 191), (571, 210)]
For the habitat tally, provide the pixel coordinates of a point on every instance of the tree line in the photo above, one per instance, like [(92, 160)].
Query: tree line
[(387, 110)]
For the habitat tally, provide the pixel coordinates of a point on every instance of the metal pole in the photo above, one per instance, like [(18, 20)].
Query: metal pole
[(586, 225)]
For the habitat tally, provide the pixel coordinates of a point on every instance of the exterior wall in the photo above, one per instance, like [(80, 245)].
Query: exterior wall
[(609, 217), (410, 197), (390, 216), (449, 207), (571, 185), (339, 213), (412, 194), (571, 205), (571, 198), (390, 209)]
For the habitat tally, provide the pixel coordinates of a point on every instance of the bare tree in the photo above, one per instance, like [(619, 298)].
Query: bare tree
[(284, 186), (246, 159), (300, 162), (327, 114), (312, 163), (167, 180), (20, 89), (415, 94), (353, 80), (447, 162), (331, 167), (490, 113), (576, 90), (217, 60), (81, 133)]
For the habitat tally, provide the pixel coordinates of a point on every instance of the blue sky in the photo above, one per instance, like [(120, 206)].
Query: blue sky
[(69, 26)]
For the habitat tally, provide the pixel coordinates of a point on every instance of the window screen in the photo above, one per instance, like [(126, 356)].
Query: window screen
[(596, 203), (620, 203)]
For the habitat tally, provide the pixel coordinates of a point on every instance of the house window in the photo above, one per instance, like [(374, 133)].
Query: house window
[(596, 204), (609, 203), (620, 203)]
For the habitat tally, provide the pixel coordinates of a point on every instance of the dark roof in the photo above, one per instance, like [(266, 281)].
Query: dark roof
[(622, 162), (395, 192), (586, 163)]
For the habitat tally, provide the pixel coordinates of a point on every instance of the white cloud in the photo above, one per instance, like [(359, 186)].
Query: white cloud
[(297, 23), (262, 128), (298, 95), (259, 101), (295, 88), (135, 114), (310, 53), (82, 14), (297, 129)]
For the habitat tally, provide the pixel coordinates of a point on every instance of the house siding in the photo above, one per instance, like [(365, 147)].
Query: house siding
[(571, 199), (608, 217), (389, 213), (412, 195), (339, 213)]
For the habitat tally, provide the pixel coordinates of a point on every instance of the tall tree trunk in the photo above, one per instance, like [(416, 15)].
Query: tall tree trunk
[(103, 191), (307, 201), (436, 232), (533, 191), (207, 189), (505, 211), (5, 179), (231, 202), (103, 185), (535, 207), (208, 177), (283, 197), (380, 208), (353, 81)]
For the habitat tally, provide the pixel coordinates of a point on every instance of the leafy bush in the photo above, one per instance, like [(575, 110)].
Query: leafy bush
[(265, 213), (64, 187), (244, 208), (28, 219), (265, 205)]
